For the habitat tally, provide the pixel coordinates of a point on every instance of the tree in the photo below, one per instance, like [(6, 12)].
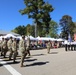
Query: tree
[(53, 29), (67, 26), (30, 30), (74, 30), (20, 30), (39, 11)]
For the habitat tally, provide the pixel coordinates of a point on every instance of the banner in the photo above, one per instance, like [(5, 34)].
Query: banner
[(69, 38), (75, 36)]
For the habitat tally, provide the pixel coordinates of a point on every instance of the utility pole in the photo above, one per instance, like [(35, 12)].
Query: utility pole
[(35, 30)]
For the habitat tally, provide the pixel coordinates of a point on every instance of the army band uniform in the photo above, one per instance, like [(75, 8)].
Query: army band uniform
[(14, 49), (9, 44), (22, 48)]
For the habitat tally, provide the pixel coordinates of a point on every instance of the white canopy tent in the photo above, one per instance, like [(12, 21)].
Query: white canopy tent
[(46, 38), (9, 35), (1, 37), (31, 38), (60, 39), (19, 37), (42, 38)]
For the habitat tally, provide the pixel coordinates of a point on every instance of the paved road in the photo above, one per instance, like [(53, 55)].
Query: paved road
[(58, 62)]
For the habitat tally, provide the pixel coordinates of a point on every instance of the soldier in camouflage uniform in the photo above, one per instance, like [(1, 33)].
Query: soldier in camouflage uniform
[(22, 48), (48, 46), (1, 47), (28, 45), (9, 45), (4, 47), (14, 49)]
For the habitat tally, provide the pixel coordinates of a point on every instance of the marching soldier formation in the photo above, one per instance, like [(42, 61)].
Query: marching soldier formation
[(12, 46), (23, 45)]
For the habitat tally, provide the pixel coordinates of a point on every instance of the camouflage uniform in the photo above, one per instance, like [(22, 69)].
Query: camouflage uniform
[(9, 45), (14, 49), (4, 47), (22, 48), (1, 47), (48, 47), (28, 45)]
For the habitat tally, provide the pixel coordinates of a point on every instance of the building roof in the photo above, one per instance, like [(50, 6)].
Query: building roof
[(2, 32)]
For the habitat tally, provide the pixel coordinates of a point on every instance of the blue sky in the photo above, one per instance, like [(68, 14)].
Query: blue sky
[(10, 17)]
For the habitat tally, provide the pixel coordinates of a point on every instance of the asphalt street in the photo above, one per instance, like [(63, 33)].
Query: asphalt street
[(58, 62)]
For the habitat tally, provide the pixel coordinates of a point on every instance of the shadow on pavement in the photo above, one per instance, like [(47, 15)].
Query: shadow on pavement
[(30, 60), (27, 57), (37, 64), (8, 63), (53, 53), (1, 65), (11, 61), (38, 54), (7, 59)]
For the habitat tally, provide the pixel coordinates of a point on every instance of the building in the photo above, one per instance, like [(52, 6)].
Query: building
[(3, 33)]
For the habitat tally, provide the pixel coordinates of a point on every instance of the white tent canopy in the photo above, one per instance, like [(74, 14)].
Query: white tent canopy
[(49, 38), (31, 38), (19, 37), (9, 35), (46, 38), (60, 39), (1, 37)]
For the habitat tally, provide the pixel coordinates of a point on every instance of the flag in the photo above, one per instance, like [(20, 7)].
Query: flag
[(75, 36), (69, 38)]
